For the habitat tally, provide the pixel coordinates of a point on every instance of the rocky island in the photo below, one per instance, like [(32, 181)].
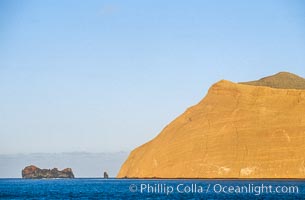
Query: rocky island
[(33, 172), (239, 130)]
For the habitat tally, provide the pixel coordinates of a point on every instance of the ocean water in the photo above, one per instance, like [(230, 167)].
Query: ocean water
[(150, 189)]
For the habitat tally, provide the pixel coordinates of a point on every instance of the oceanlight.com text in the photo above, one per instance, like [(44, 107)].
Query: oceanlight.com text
[(217, 188)]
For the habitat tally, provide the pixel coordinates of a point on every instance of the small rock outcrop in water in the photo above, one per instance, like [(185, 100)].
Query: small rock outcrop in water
[(106, 175), (33, 172)]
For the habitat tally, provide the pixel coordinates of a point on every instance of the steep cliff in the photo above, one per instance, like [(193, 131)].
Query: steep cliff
[(236, 131), (33, 172)]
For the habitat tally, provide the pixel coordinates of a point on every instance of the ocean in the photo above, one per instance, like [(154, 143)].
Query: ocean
[(150, 189)]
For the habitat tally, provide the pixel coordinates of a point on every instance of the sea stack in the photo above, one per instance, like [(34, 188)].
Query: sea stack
[(239, 130), (33, 172), (106, 175)]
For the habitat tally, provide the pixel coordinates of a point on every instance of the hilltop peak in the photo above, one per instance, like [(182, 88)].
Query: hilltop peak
[(282, 80)]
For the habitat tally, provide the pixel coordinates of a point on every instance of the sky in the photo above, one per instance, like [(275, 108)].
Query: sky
[(108, 76)]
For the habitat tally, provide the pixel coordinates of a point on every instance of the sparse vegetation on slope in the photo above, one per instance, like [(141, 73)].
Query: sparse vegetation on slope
[(282, 80)]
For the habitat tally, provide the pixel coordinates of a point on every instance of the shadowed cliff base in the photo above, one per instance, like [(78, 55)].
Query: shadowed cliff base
[(236, 131)]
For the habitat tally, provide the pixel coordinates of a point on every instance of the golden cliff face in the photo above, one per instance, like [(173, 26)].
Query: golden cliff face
[(236, 131)]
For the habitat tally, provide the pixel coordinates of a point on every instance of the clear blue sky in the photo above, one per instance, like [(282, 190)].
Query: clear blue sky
[(102, 76)]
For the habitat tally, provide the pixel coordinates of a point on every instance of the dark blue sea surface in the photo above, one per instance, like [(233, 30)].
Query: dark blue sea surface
[(150, 189)]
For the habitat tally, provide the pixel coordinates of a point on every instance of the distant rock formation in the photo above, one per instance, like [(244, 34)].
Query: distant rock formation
[(106, 175), (33, 172), (250, 130)]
